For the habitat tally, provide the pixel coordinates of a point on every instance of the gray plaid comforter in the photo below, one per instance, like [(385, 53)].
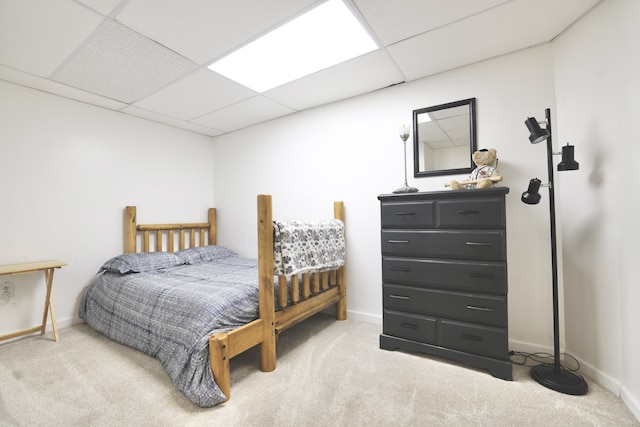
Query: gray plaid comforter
[(170, 313)]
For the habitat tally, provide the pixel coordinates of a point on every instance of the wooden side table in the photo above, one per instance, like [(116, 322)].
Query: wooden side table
[(29, 267)]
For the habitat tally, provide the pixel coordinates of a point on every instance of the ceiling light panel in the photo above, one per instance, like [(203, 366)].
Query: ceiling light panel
[(204, 30), (325, 36)]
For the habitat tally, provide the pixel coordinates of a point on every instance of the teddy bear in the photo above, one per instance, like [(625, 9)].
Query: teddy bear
[(484, 175)]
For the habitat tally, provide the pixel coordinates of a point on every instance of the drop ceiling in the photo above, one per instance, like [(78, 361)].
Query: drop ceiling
[(149, 58)]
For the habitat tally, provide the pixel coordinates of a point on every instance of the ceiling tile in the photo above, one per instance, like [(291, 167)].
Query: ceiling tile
[(251, 111), (506, 35), (121, 64), (397, 20), (40, 83), (195, 95), (339, 82), (103, 6), (549, 17), (457, 51), (36, 36), (203, 30)]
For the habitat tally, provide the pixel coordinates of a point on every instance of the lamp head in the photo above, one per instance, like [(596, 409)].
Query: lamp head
[(404, 132), (568, 163), (532, 196), (537, 134)]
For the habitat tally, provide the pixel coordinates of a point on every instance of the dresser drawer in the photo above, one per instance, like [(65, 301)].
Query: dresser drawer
[(481, 340), (471, 213), (409, 326), (408, 215), (474, 245), (453, 275), (483, 309)]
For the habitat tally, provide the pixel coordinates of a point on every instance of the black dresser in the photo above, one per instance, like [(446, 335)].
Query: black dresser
[(444, 276)]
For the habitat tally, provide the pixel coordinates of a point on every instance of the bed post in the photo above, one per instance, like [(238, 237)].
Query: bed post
[(212, 226), (130, 229), (341, 307), (219, 362), (265, 273)]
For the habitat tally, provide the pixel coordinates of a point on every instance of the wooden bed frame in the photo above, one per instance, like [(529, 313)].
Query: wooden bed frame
[(309, 294)]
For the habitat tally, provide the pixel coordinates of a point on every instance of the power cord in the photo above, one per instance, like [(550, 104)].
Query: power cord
[(546, 359)]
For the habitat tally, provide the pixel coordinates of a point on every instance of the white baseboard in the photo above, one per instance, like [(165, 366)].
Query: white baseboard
[(364, 317), (605, 380), (632, 402), (358, 316), (61, 324), (527, 347)]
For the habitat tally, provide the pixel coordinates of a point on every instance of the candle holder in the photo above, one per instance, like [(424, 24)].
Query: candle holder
[(404, 135)]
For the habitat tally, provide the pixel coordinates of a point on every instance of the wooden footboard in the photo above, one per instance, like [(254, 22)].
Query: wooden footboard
[(307, 295)]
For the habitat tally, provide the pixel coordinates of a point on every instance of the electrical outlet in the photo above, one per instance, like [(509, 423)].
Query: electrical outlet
[(8, 290)]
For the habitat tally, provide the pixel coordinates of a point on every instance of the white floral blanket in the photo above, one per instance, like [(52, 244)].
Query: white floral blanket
[(308, 246)]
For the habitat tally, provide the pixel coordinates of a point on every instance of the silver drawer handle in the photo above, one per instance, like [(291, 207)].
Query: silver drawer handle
[(409, 325), (398, 241), (467, 212), (403, 269), (481, 275), (473, 307), (406, 213), (479, 244), (399, 296), (471, 337)]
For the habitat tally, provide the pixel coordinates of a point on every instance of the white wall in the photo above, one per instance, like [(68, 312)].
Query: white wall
[(66, 172), (351, 151), (597, 89)]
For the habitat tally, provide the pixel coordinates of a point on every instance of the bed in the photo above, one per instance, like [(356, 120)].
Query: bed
[(177, 296)]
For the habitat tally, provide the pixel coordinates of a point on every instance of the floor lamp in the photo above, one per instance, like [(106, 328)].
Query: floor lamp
[(555, 377)]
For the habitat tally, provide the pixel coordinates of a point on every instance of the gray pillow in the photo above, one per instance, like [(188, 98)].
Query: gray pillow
[(143, 261), (202, 254)]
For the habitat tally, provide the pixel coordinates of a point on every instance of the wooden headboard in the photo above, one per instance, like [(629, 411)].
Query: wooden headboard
[(164, 235)]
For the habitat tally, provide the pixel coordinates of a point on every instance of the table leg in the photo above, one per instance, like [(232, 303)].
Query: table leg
[(53, 321), (48, 305)]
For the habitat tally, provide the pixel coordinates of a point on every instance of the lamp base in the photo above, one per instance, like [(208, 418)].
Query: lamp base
[(559, 379), (406, 189)]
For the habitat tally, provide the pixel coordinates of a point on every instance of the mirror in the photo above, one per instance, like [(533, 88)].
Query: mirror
[(444, 138)]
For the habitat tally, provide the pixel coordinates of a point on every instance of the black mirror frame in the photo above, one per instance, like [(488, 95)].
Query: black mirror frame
[(473, 144)]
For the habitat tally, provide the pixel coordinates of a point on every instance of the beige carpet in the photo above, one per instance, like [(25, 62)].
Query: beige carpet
[(329, 374)]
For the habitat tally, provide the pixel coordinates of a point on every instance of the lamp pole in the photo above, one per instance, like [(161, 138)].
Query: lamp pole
[(554, 249)]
